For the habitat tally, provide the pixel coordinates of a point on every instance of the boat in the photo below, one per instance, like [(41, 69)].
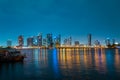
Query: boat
[(10, 55)]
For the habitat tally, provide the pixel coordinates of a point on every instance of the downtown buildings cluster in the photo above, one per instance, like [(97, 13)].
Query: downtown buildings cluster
[(55, 41), (49, 41)]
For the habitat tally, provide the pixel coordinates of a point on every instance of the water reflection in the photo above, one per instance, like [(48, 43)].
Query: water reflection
[(65, 64), (117, 60)]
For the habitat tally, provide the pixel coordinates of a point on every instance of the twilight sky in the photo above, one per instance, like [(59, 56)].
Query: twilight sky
[(77, 18)]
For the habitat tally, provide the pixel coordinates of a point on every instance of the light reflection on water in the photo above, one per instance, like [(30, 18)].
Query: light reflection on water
[(69, 64)]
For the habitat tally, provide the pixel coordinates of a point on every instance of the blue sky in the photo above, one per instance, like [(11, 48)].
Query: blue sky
[(67, 17)]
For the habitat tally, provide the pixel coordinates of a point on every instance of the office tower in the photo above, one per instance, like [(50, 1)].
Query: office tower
[(49, 40), (44, 43), (97, 43), (77, 43), (9, 43), (57, 41), (54, 41), (70, 40), (30, 41), (20, 40), (107, 41), (89, 39), (34, 40), (39, 40), (65, 41)]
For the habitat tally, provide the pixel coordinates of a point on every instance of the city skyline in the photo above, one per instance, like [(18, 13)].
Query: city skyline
[(50, 39), (74, 18)]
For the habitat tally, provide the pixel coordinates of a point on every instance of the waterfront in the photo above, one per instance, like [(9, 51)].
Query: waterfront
[(69, 64)]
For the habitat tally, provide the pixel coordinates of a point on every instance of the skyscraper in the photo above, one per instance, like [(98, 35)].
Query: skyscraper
[(77, 43), (57, 41), (20, 40), (49, 40), (108, 42), (89, 39), (68, 41), (97, 43), (30, 41), (35, 42), (65, 41), (39, 40), (44, 43)]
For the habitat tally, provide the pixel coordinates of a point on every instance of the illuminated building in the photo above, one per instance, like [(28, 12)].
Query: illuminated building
[(35, 41), (97, 43), (49, 40), (57, 41), (20, 40), (39, 40), (44, 43), (68, 41), (107, 41), (30, 41), (89, 39), (9, 43)]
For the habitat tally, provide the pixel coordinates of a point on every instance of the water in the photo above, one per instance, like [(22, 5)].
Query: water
[(92, 64)]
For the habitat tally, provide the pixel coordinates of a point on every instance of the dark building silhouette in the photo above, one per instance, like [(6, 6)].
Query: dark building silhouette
[(113, 41), (107, 41), (77, 43), (110, 42), (89, 39), (30, 41), (20, 41), (49, 40)]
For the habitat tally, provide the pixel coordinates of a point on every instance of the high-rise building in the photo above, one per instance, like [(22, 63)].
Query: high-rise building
[(68, 41), (44, 43), (49, 40), (30, 41), (107, 41), (97, 43), (89, 39), (65, 41), (57, 41), (20, 40), (9, 43), (77, 43), (39, 40), (35, 41)]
